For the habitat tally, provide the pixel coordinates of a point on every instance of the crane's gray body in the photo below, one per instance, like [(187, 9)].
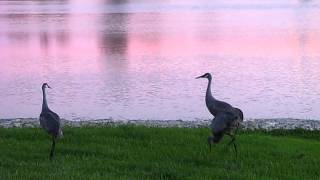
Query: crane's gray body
[(49, 120)]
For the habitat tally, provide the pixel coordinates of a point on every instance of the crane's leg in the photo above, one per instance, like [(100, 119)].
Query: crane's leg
[(210, 141), (233, 139), (52, 147)]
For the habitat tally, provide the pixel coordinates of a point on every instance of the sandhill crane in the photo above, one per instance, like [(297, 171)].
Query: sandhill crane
[(49, 120), (226, 118)]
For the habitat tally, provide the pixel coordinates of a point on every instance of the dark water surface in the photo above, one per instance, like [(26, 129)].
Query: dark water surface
[(139, 59)]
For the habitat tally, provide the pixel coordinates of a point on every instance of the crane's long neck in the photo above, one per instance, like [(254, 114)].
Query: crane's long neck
[(208, 93), (44, 100)]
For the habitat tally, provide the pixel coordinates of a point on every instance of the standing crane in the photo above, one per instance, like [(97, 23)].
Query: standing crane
[(226, 120), (49, 120)]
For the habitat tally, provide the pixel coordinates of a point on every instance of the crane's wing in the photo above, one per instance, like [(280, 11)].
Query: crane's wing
[(222, 121), (50, 121), (55, 116)]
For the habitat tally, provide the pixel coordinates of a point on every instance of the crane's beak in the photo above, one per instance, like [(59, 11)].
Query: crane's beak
[(49, 86), (200, 77)]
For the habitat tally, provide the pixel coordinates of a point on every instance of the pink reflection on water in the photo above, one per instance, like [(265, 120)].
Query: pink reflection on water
[(246, 37)]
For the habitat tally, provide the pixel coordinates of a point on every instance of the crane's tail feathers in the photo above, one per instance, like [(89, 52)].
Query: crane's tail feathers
[(240, 113)]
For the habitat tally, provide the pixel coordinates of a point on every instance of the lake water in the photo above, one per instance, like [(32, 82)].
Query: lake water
[(138, 59)]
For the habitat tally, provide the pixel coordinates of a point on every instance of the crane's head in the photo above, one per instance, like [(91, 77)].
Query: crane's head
[(206, 75), (45, 85)]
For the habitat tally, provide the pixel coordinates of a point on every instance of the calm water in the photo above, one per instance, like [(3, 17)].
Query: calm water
[(139, 59)]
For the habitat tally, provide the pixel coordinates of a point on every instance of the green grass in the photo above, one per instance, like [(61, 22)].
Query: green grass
[(128, 152)]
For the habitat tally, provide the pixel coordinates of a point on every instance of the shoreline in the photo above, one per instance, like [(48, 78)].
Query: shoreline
[(252, 124)]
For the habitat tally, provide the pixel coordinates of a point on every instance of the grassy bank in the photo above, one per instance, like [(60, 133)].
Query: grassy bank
[(152, 153)]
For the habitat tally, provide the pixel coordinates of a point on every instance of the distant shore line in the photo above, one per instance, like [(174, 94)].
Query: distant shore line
[(267, 124)]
